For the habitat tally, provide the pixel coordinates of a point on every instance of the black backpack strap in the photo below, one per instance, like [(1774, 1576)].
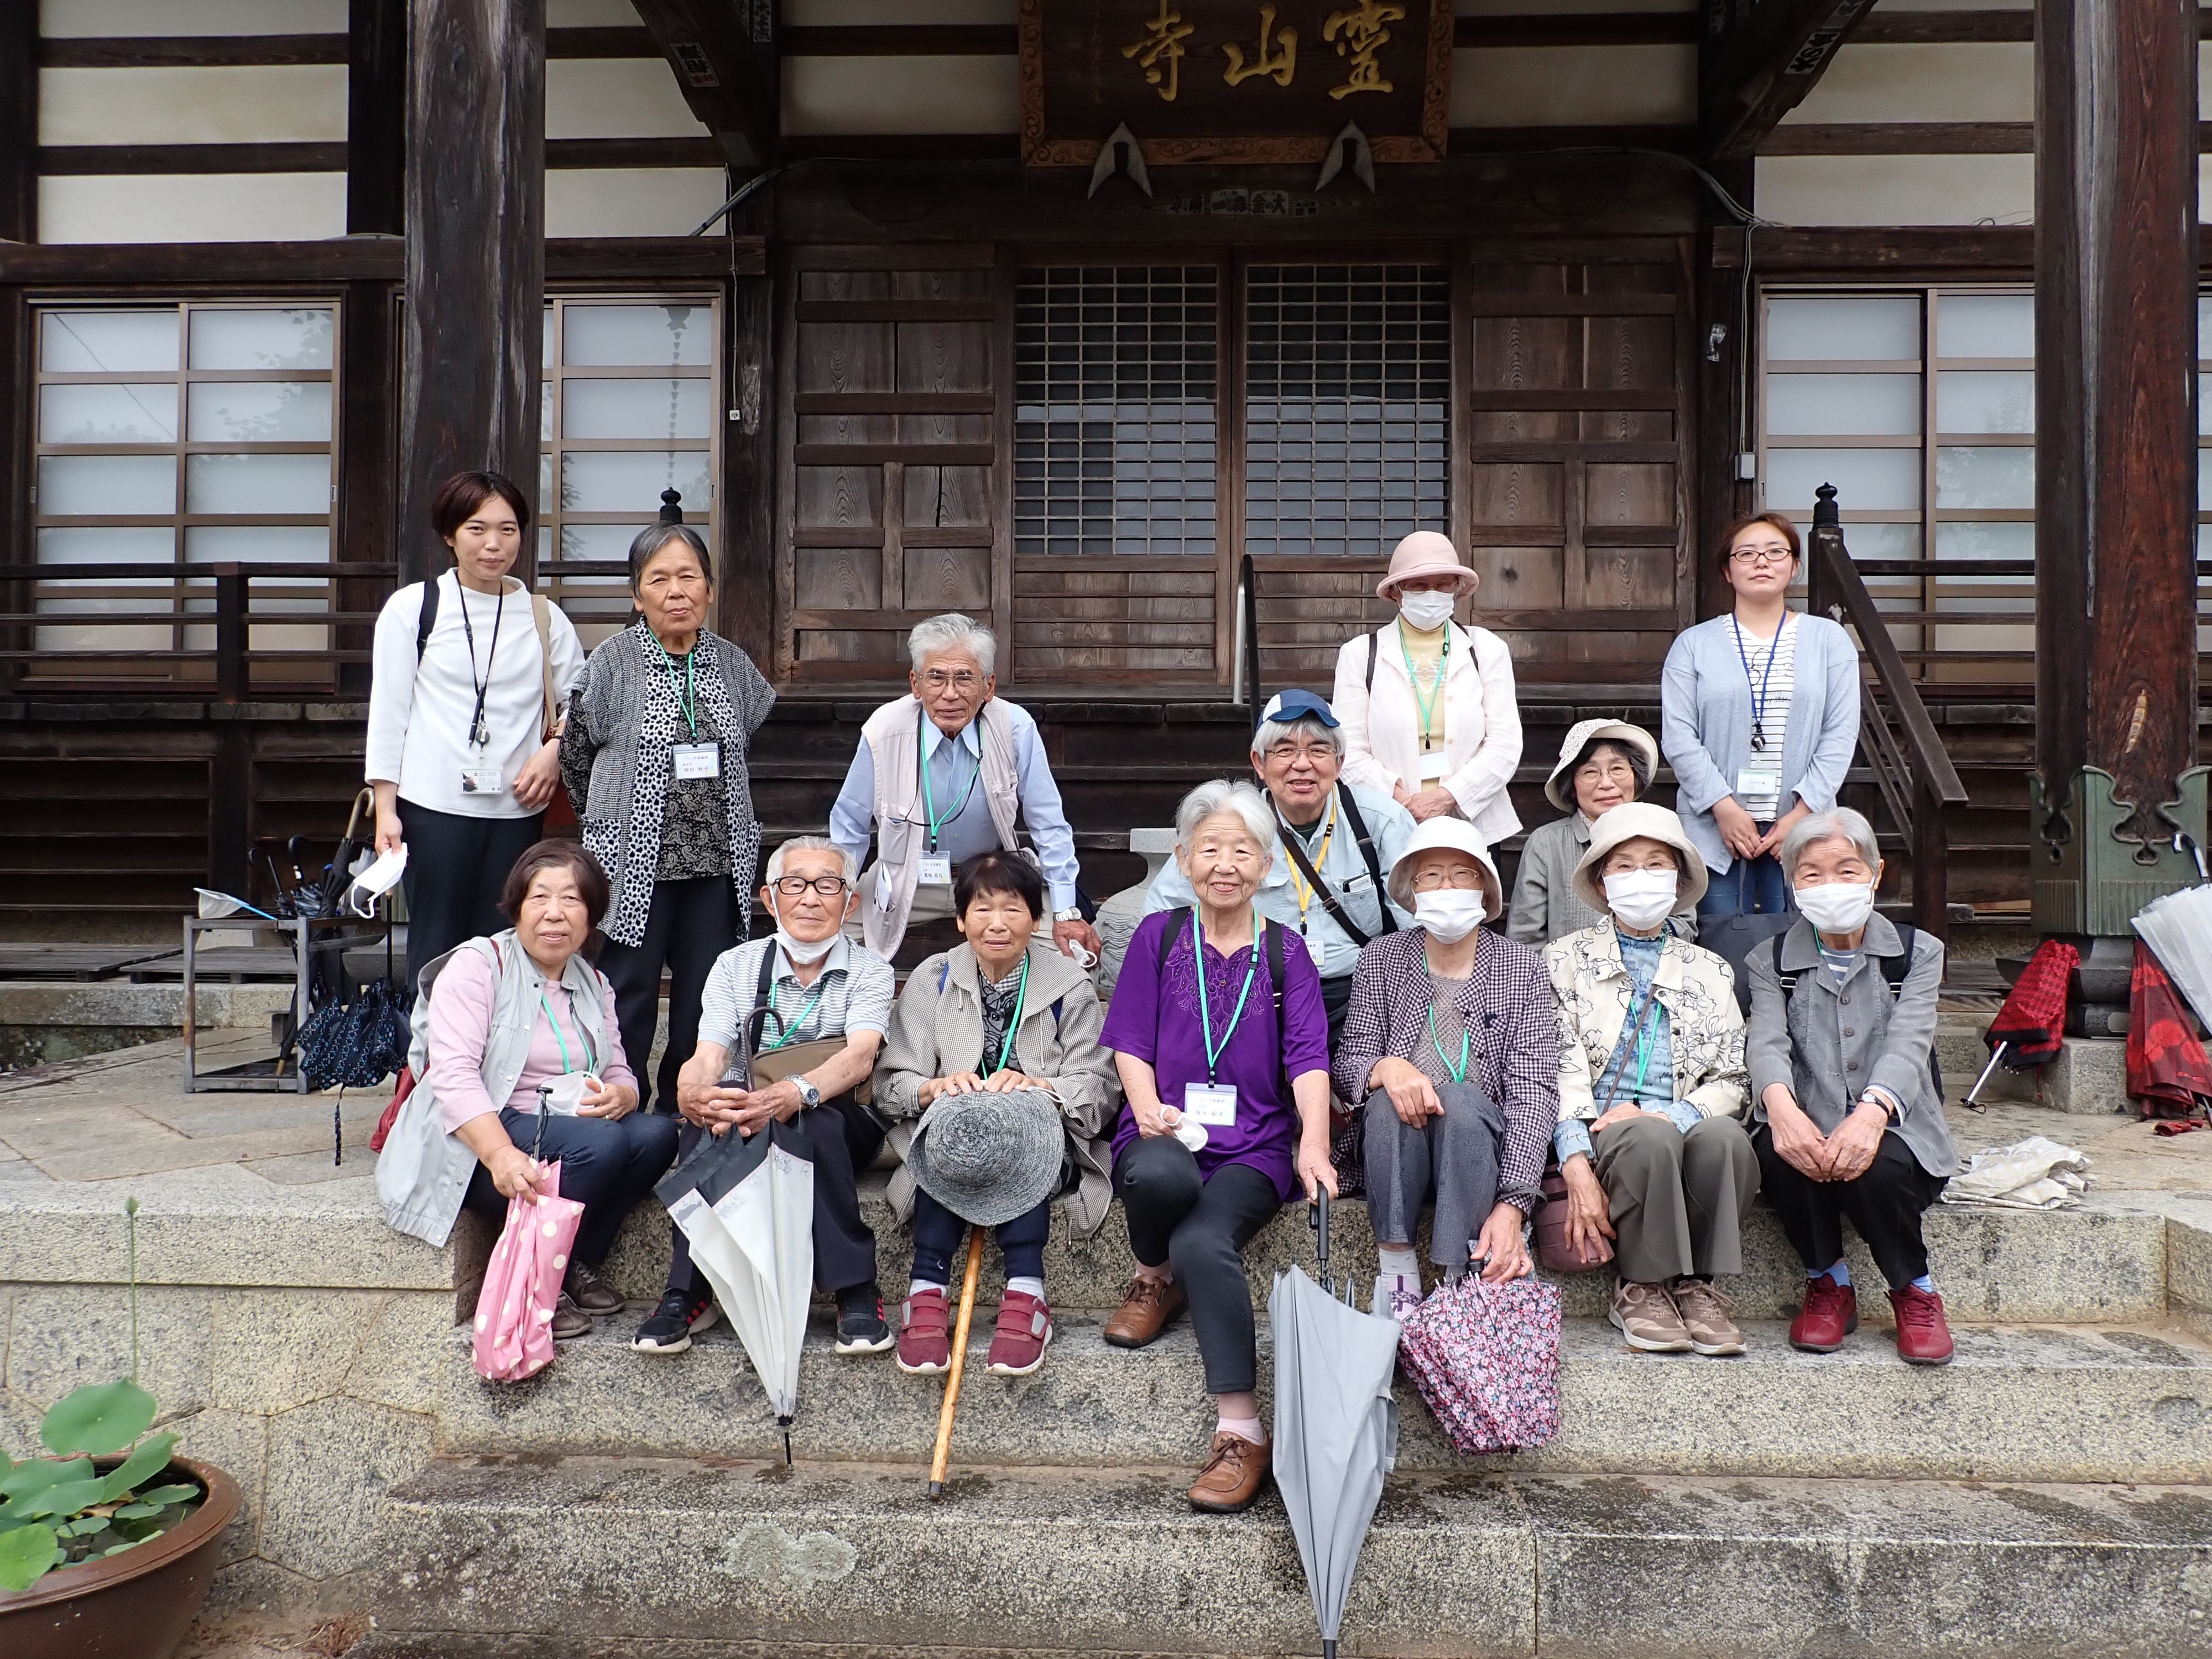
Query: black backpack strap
[(1789, 980), (1178, 921), (767, 975), (427, 620), (1366, 840), (1896, 969), (1374, 646), (1275, 931)]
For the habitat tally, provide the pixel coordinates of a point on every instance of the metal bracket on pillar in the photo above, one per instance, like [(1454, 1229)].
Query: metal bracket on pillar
[(2086, 880)]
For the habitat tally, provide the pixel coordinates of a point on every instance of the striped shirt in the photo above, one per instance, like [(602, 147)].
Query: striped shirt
[(856, 989), (1771, 712)]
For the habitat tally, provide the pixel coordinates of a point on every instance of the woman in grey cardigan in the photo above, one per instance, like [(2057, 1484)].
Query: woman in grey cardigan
[(1759, 714), (653, 756), (1850, 1121), (1602, 765)]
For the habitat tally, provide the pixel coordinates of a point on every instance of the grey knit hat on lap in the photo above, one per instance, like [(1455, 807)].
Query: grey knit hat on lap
[(988, 1158)]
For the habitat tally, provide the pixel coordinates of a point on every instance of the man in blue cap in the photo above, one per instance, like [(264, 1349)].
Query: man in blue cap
[(1338, 841)]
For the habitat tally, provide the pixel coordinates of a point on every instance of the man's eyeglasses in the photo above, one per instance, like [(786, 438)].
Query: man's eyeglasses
[(828, 886), (1435, 881), (1313, 753), (1763, 556), (937, 680)]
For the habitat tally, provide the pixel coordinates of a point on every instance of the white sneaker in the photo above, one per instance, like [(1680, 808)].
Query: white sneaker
[(1395, 1296)]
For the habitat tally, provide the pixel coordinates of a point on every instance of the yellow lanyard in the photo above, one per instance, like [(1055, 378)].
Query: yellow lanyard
[(1320, 857)]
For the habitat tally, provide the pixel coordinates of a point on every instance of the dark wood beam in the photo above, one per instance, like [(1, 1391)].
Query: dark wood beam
[(367, 463), (2115, 283), (1888, 28), (1901, 138), (902, 40), (375, 151), (87, 160), (1498, 140), (346, 259), (1717, 348), (1762, 68), (1949, 249), (745, 598), (585, 153), (725, 60), (258, 51), (19, 122), (474, 326), (1628, 28)]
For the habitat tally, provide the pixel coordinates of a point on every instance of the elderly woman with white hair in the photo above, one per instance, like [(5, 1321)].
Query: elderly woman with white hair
[(1218, 1029), (1451, 1049), (943, 774), (1844, 1092)]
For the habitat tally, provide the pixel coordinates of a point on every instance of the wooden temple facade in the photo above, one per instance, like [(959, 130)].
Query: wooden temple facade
[(1142, 328)]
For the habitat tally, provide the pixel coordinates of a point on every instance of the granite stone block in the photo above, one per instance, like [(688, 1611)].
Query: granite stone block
[(63, 1335), (331, 1465), (237, 1442), (276, 1349), (404, 1354)]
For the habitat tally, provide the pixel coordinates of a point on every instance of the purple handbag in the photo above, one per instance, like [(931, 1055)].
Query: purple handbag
[(1486, 1358)]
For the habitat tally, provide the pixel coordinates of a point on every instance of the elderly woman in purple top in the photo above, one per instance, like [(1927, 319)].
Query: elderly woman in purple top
[(1222, 1041)]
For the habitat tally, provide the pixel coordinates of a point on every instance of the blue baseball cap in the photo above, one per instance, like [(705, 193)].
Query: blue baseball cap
[(1288, 705)]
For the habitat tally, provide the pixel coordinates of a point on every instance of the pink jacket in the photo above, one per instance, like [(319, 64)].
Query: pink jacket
[(461, 1002)]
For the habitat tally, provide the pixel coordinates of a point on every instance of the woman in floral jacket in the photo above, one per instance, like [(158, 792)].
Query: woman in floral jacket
[(1652, 1089)]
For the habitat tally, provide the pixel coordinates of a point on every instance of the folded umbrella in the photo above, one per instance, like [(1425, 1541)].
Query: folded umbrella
[(2178, 928), (2168, 1074), (2030, 1028)]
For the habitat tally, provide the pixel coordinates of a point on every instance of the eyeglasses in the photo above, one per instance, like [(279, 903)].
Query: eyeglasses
[(1763, 556), (1313, 753), (828, 886), (1435, 881), (937, 680)]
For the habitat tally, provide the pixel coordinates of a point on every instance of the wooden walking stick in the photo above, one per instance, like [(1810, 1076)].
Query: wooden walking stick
[(959, 1359)]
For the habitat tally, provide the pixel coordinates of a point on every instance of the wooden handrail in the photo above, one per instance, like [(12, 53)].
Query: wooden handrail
[(1918, 783), (1247, 624)]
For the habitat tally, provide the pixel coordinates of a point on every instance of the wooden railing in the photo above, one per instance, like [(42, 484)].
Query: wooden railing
[(1248, 636), (1917, 781)]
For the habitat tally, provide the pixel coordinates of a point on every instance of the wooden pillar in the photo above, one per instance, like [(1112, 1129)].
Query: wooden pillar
[(19, 122), (1722, 391), (2116, 458), (745, 600), (474, 334), (376, 117)]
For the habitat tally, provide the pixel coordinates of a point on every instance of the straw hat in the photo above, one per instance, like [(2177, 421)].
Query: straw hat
[(1424, 553), (1460, 837), (1626, 823), (989, 1157), (1559, 787)]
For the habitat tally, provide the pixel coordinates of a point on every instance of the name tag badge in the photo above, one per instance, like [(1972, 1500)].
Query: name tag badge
[(1212, 1104), (1435, 765), (482, 781), (698, 760), (1760, 781), (936, 869)]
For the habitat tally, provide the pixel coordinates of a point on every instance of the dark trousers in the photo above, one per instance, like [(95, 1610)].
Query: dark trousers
[(456, 867), (937, 1232), (691, 923), (1885, 1205), (607, 1165), (1197, 1226), (1336, 1002), (846, 1140), (1747, 887), (1452, 1159)]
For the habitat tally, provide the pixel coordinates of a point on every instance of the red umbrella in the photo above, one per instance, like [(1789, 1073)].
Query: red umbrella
[(2168, 1071), (2027, 1029)]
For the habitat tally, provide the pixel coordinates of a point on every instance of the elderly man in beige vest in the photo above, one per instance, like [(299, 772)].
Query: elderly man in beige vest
[(944, 774)]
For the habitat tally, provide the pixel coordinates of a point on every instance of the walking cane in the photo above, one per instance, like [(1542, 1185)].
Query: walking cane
[(959, 1359)]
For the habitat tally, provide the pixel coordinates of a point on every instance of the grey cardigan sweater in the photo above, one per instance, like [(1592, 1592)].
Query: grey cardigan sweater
[(1705, 722), (1545, 905)]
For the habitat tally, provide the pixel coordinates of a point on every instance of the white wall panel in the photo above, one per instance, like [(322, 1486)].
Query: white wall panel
[(615, 98), (232, 207), (1975, 80), (901, 95), (1574, 86), (1896, 190), (630, 201), (113, 19), (264, 104), (845, 13), (590, 14)]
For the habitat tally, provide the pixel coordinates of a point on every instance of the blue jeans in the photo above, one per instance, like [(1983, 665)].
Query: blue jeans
[(1747, 887)]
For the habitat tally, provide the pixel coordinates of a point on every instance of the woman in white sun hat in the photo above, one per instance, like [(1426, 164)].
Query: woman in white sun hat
[(1602, 765), (1427, 705)]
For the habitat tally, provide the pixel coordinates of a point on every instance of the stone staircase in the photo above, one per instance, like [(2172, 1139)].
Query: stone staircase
[(2039, 1496)]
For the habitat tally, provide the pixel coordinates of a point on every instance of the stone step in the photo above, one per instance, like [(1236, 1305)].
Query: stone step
[(503, 1558), (2050, 1403), (2101, 1264)]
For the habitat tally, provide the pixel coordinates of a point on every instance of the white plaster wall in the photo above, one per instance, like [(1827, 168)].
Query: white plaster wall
[(845, 13), (234, 207), (1574, 86), (264, 104), (630, 201), (590, 14), (1896, 190), (889, 95), (1979, 80), (124, 18), (615, 98)]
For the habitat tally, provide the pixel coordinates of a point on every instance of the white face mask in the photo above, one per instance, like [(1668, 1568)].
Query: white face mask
[(1451, 913), (1425, 612), (1837, 907), (1641, 899), (799, 950)]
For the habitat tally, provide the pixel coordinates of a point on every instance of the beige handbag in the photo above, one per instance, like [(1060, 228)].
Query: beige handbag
[(774, 1065)]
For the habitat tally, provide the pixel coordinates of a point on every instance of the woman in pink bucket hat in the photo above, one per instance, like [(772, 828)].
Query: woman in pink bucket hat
[(1428, 705)]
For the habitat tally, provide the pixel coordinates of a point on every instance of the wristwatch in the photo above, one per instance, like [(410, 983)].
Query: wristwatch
[(809, 1096), (1072, 913)]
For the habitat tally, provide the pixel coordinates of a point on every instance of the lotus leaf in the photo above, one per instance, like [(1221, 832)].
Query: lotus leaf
[(98, 1418)]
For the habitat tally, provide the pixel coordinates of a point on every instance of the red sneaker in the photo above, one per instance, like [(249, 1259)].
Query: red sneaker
[(924, 1349), (1025, 1327), (1831, 1313), (1924, 1337)]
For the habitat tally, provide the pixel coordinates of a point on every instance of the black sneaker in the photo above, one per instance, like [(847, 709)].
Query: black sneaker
[(670, 1328), (861, 1327)]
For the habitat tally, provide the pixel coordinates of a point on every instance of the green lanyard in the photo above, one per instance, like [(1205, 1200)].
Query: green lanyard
[(929, 797), (687, 701), (1459, 1072), (787, 1029), (1427, 705), (591, 1061), (1213, 1050), (1021, 1002), (1643, 1044)]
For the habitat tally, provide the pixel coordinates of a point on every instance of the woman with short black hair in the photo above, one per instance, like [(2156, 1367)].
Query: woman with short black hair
[(463, 705), (654, 759)]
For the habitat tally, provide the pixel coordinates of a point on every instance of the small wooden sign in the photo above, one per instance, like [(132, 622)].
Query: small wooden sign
[(1234, 81)]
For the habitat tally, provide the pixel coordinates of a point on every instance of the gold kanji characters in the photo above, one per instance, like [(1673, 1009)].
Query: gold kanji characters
[(1162, 45), (1277, 54), (1359, 33)]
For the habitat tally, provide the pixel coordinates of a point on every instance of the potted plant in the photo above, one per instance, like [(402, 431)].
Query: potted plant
[(109, 1546)]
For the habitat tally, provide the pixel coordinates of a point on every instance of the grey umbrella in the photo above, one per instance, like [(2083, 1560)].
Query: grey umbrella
[(1336, 1426)]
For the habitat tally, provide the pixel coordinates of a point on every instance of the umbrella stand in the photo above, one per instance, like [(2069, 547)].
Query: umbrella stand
[(959, 1359), (1996, 1055)]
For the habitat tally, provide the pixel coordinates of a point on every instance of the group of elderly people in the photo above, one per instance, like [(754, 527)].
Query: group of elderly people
[(1328, 990)]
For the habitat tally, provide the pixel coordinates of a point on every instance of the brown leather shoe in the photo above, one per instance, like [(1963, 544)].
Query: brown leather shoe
[(1233, 1476), (1144, 1312)]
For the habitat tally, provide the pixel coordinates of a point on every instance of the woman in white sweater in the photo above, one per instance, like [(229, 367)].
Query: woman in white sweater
[(464, 708)]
